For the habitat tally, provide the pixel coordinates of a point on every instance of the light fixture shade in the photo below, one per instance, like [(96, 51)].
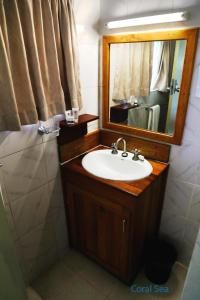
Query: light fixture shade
[(156, 19)]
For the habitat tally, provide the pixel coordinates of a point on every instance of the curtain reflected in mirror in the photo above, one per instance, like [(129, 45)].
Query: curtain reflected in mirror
[(145, 79)]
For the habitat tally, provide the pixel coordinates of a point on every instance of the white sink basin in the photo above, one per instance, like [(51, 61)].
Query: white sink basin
[(103, 164)]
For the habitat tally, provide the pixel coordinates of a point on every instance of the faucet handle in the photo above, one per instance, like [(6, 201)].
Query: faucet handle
[(141, 157), (114, 148), (136, 153)]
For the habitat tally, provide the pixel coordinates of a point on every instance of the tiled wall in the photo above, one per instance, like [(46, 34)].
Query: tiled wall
[(181, 214), (191, 289), (30, 176), (32, 193)]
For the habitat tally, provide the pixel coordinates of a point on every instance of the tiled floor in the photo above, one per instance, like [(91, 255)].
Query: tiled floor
[(78, 278)]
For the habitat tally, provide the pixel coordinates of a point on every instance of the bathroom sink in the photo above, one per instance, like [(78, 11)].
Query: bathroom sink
[(104, 164)]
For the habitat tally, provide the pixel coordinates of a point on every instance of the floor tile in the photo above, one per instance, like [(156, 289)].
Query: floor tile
[(54, 281), (91, 272), (80, 289), (76, 261), (78, 278), (61, 283)]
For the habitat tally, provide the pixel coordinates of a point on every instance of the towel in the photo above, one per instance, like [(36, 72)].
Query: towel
[(154, 115), (138, 117)]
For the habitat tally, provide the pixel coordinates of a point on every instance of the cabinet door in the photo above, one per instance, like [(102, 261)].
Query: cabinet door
[(113, 236), (99, 228), (82, 220)]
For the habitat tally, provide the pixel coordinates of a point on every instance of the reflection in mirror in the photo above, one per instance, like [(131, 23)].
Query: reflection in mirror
[(145, 79)]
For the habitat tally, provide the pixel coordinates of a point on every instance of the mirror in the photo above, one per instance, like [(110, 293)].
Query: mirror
[(146, 81)]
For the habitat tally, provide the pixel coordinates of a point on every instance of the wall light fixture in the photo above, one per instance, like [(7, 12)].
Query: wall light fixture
[(156, 19)]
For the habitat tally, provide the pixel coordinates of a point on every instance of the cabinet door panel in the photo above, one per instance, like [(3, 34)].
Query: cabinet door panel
[(84, 211), (112, 237), (100, 228)]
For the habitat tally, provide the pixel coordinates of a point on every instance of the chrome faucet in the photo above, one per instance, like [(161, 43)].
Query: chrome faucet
[(136, 155), (114, 147)]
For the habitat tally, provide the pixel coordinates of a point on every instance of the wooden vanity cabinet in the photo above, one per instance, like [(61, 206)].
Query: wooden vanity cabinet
[(108, 224)]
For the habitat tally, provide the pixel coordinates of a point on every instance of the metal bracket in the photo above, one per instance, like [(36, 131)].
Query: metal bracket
[(46, 130)]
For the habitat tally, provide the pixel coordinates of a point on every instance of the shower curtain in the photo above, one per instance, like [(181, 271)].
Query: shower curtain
[(39, 69), (12, 286)]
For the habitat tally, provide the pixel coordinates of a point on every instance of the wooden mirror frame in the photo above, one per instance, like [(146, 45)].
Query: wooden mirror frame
[(191, 36)]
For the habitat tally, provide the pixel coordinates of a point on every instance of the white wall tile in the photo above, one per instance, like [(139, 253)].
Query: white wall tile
[(36, 245), (10, 221), (184, 160), (192, 126), (43, 262), (148, 7), (2, 187), (113, 9), (23, 172), (185, 3), (61, 232), (20, 257), (185, 252), (31, 210), (191, 232), (56, 193), (14, 141), (87, 11), (51, 159), (172, 226), (177, 197), (194, 211)]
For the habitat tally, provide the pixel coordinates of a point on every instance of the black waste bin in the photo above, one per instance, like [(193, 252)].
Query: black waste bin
[(159, 259)]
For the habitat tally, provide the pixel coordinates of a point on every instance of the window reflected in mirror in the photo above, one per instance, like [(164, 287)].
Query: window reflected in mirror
[(144, 85)]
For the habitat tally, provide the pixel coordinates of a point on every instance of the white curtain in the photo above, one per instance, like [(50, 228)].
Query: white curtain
[(161, 67), (132, 70), (39, 69)]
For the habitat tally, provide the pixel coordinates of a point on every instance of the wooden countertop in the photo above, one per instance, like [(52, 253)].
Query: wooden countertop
[(134, 188)]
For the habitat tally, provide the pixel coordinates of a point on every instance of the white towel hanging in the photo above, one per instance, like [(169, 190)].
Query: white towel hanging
[(154, 115)]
